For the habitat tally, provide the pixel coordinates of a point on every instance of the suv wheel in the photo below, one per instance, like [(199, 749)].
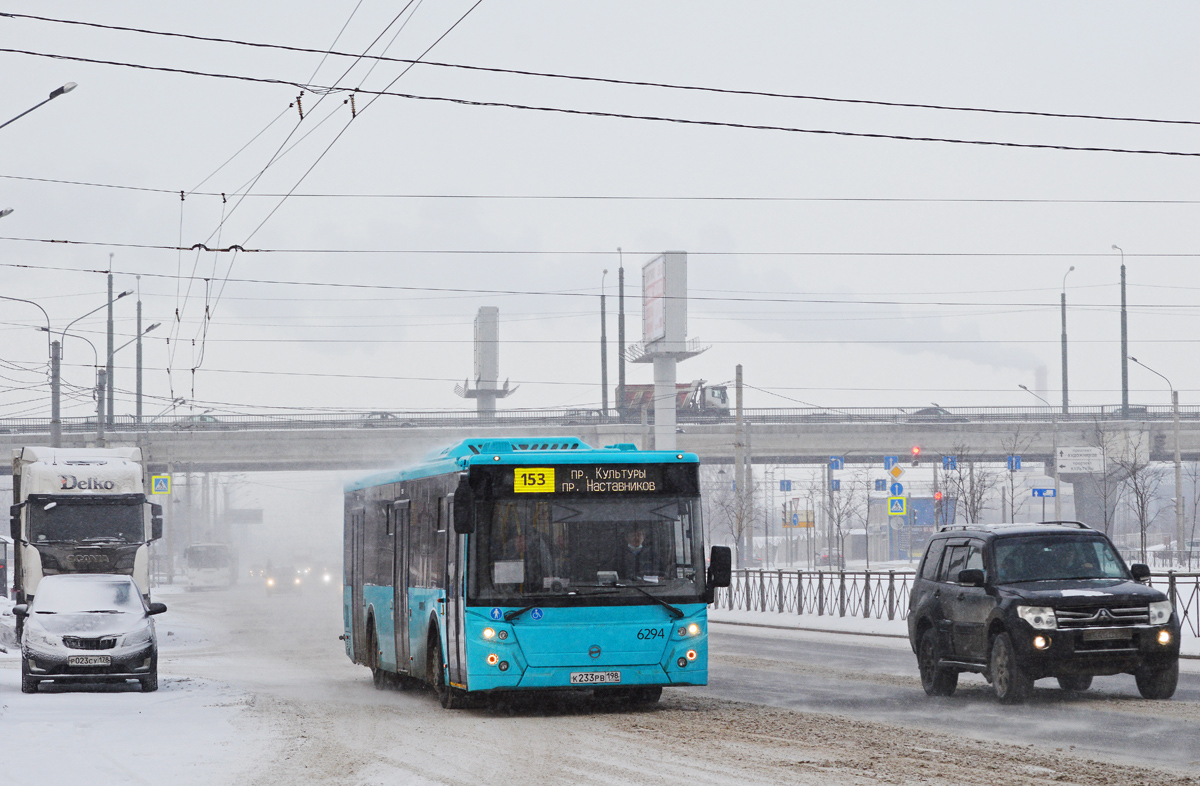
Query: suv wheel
[(28, 684), (1011, 682), (1158, 683), (935, 681), (1075, 683)]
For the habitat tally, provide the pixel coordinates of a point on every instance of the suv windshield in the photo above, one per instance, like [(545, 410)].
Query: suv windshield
[(82, 520), (542, 547), (70, 595), (1054, 558)]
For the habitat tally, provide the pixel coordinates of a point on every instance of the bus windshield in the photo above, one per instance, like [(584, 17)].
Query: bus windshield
[(214, 555), (526, 548), (67, 520)]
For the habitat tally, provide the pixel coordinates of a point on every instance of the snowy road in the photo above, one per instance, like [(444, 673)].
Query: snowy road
[(256, 690)]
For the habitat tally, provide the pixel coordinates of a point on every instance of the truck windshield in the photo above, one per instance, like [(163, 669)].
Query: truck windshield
[(529, 548), (1056, 559), (86, 520)]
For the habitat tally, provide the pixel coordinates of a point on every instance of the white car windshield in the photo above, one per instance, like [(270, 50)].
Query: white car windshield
[(70, 595)]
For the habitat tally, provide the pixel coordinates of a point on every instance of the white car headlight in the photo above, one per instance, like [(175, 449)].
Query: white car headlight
[(1040, 617), (138, 638), (1160, 612)]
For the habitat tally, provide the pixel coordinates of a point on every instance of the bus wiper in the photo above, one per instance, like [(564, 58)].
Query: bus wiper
[(676, 613), (509, 616)]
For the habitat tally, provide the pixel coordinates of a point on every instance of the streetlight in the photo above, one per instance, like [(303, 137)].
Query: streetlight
[(1057, 485), (5, 212), (99, 389), (68, 87), (1124, 341), (1179, 533), (603, 354), (1064, 338)]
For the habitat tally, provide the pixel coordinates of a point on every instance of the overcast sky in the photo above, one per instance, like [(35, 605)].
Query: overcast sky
[(941, 291)]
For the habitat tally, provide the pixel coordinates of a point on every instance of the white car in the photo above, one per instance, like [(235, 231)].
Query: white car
[(88, 627)]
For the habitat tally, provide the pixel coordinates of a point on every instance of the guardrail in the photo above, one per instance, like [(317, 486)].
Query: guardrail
[(884, 594), (591, 417)]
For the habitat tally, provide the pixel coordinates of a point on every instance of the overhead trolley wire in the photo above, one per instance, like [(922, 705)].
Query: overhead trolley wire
[(626, 116), (607, 80)]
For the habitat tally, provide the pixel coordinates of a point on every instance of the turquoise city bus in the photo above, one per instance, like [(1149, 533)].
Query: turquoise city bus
[(523, 564)]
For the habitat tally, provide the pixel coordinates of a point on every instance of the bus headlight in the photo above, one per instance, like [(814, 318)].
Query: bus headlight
[(693, 629), (1160, 612), (691, 654), (493, 659), (489, 633)]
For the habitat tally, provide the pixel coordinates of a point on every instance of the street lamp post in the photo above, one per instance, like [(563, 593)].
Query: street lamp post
[(1179, 531), (1054, 455), (1124, 341), (68, 87), (1064, 339), (603, 354)]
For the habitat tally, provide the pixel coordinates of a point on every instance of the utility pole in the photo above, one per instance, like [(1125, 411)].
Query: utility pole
[(1064, 339), (603, 354), (1179, 531), (55, 370), (620, 402), (100, 385), (138, 409), (108, 366), (739, 480), (1124, 343)]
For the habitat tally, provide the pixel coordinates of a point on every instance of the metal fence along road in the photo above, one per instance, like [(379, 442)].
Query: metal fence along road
[(884, 594)]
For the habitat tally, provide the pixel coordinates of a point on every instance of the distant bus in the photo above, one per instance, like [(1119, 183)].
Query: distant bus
[(521, 565), (209, 565)]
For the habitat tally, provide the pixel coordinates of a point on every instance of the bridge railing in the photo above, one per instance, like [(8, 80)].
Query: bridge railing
[(884, 594), (591, 417)]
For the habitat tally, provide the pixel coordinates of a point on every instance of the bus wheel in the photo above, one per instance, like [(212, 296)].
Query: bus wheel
[(451, 698), (379, 677)]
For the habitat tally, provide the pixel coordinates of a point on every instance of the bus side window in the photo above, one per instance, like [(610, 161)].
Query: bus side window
[(437, 552)]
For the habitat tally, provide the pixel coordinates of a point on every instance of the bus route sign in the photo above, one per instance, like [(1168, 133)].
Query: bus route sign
[(589, 479)]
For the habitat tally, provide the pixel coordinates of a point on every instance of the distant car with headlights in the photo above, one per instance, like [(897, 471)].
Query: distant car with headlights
[(285, 578), (1019, 602), (92, 627)]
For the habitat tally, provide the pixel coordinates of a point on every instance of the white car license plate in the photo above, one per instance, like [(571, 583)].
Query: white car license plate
[(89, 660), (595, 677), (1107, 634)]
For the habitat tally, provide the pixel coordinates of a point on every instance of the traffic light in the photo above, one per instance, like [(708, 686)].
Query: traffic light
[(937, 496), (916, 452), (938, 518)]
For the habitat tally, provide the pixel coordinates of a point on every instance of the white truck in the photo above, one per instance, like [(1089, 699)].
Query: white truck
[(695, 397), (80, 510)]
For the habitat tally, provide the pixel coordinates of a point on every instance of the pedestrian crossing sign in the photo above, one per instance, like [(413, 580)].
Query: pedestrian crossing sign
[(160, 484), (897, 506)]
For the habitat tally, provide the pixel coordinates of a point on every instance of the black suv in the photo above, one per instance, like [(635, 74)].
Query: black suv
[(1018, 602)]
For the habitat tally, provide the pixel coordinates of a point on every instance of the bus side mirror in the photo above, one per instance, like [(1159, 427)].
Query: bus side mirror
[(1140, 571), (156, 521), (464, 508), (14, 512), (720, 571)]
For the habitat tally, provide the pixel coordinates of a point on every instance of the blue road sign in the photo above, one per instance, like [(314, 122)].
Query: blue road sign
[(949, 462), (837, 462), (897, 506), (890, 461), (785, 485), (880, 484), (795, 519), (1014, 463), (897, 489), (1045, 493), (835, 485)]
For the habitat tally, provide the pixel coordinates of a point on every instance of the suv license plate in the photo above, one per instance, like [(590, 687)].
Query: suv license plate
[(1107, 634), (595, 677), (89, 660)]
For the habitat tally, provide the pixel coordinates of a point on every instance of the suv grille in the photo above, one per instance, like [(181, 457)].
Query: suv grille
[(1102, 616), (77, 643)]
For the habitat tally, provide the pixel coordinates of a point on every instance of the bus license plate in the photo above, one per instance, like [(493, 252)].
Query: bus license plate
[(595, 677), (1107, 634), (89, 660)]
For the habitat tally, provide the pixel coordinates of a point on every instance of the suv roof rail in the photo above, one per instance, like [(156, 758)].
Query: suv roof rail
[(952, 527)]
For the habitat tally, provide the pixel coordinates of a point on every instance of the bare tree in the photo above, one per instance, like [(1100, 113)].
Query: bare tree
[(1142, 481), (848, 505), (1193, 475), (731, 515), (1015, 445), (1109, 486), (970, 484)]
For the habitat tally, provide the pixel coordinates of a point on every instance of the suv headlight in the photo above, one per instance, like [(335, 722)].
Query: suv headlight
[(138, 638), (1040, 617), (1160, 612)]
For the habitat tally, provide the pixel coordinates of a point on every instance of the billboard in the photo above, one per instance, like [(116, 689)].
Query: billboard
[(664, 302), (654, 290)]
